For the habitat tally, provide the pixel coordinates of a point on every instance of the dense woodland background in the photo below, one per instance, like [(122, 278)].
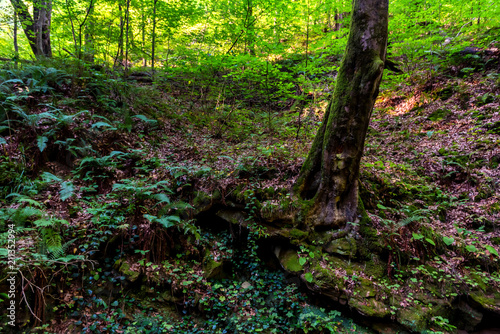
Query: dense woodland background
[(148, 149)]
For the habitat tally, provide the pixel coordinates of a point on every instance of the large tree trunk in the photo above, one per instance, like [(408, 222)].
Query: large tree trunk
[(36, 29), (328, 181)]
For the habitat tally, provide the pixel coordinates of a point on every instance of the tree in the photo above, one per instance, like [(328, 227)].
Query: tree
[(36, 29), (328, 181)]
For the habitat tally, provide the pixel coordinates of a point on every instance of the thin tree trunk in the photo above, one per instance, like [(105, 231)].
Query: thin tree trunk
[(119, 53), (127, 12), (328, 181), (72, 26), (16, 46), (143, 28), (154, 39)]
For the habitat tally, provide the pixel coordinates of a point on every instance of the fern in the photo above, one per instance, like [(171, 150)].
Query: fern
[(67, 187), (51, 241), (409, 220), (61, 251)]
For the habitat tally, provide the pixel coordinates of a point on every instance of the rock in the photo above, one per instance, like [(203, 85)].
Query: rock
[(212, 268), (131, 272), (233, 217), (370, 307), (490, 302), (468, 317), (204, 202), (414, 318), (342, 246), (289, 259), (246, 285)]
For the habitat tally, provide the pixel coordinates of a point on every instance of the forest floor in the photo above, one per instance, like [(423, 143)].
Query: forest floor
[(116, 227)]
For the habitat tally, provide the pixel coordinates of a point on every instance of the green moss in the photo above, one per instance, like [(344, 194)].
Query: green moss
[(124, 268), (342, 246), (439, 114), (298, 234), (211, 268), (489, 302), (201, 199), (370, 307), (415, 318), (290, 261)]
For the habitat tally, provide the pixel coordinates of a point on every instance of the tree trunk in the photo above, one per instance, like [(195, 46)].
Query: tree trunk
[(16, 46), (36, 29), (328, 181), (153, 39)]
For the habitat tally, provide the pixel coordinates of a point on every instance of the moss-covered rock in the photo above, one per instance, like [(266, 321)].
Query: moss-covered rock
[(130, 271), (490, 302), (342, 246), (370, 307), (212, 268), (467, 317), (415, 318), (289, 259)]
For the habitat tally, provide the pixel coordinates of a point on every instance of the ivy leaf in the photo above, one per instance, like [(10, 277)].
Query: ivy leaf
[(448, 241), (308, 277), (42, 142), (471, 248), (302, 261), (491, 249)]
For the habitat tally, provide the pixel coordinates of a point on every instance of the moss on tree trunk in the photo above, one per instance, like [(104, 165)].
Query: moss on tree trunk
[(328, 181)]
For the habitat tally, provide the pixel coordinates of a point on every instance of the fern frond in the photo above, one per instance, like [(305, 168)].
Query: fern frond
[(409, 220)]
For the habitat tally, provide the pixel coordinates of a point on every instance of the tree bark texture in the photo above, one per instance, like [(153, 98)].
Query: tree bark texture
[(328, 181), (36, 29)]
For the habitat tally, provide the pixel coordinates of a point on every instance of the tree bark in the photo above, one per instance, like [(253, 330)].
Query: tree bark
[(36, 29), (328, 181)]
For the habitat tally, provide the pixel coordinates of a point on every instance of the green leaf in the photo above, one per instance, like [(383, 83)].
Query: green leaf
[(302, 261), (49, 177), (448, 241), (2, 141), (151, 218), (417, 236), (381, 207), (42, 142), (103, 125), (471, 248), (168, 221), (308, 277), (491, 249), (67, 190), (162, 198), (187, 282), (430, 241)]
